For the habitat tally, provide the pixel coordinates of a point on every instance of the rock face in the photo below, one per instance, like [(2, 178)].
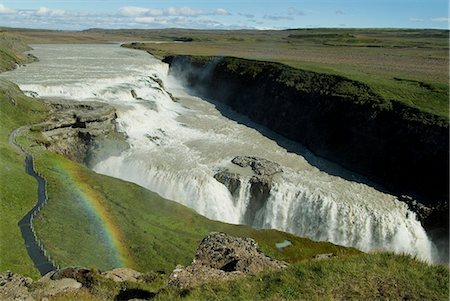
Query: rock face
[(231, 180), (223, 257), (344, 121), (75, 128), (260, 182)]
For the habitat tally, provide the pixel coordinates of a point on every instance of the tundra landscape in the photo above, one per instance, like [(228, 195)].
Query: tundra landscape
[(224, 164)]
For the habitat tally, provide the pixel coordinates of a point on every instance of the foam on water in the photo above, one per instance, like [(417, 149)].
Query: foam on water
[(177, 147)]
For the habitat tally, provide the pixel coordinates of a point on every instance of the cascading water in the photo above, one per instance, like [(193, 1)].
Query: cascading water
[(176, 148)]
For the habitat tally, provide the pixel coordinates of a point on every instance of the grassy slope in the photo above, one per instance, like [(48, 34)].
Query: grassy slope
[(366, 277), (380, 276), (11, 49), (15, 201), (410, 66), (158, 233)]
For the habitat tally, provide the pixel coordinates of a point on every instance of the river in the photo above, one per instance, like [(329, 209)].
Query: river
[(176, 147)]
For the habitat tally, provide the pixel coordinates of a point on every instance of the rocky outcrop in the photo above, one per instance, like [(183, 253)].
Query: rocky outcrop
[(231, 180), (260, 182), (15, 287), (77, 130), (402, 148), (69, 282), (81, 275), (223, 257)]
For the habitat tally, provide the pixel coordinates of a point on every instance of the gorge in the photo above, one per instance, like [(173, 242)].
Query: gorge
[(180, 148)]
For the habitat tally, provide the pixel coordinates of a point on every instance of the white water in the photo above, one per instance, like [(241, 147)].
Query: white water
[(177, 147)]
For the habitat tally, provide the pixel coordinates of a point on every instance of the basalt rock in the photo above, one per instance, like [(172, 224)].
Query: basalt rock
[(260, 166), (260, 182), (231, 180), (223, 257), (75, 129)]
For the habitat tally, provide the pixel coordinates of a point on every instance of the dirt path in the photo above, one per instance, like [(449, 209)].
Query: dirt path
[(34, 246)]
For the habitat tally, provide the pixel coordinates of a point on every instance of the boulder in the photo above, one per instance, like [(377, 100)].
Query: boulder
[(81, 275), (259, 166), (123, 274), (49, 287), (223, 257), (263, 171), (230, 180)]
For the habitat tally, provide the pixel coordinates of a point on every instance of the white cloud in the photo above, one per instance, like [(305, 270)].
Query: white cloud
[(440, 20), (135, 11), (183, 11), (6, 10), (45, 11), (222, 12), (416, 19)]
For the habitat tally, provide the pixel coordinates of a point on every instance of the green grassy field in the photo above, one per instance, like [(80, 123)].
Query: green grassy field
[(380, 276), (410, 66), (17, 189), (11, 51)]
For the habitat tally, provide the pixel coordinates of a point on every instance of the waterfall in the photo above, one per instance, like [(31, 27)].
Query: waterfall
[(179, 145)]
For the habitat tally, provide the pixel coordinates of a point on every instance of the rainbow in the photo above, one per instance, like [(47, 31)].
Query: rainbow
[(94, 203)]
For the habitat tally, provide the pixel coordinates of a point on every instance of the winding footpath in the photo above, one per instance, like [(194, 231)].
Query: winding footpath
[(34, 246)]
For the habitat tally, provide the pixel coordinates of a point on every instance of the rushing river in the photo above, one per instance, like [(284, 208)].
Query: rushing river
[(177, 147)]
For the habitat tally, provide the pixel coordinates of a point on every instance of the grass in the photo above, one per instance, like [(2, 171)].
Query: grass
[(11, 52), (381, 276), (409, 66), (15, 201)]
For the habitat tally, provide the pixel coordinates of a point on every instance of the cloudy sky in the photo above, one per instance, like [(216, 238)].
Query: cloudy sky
[(260, 14)]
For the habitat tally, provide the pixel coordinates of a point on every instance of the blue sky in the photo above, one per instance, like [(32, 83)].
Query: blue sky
[(217, 14)]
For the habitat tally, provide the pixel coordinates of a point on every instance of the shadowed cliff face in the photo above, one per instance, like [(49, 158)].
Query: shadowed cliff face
[(402, 149)]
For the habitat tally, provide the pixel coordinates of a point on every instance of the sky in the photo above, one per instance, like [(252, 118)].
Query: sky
[(218, 14)]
